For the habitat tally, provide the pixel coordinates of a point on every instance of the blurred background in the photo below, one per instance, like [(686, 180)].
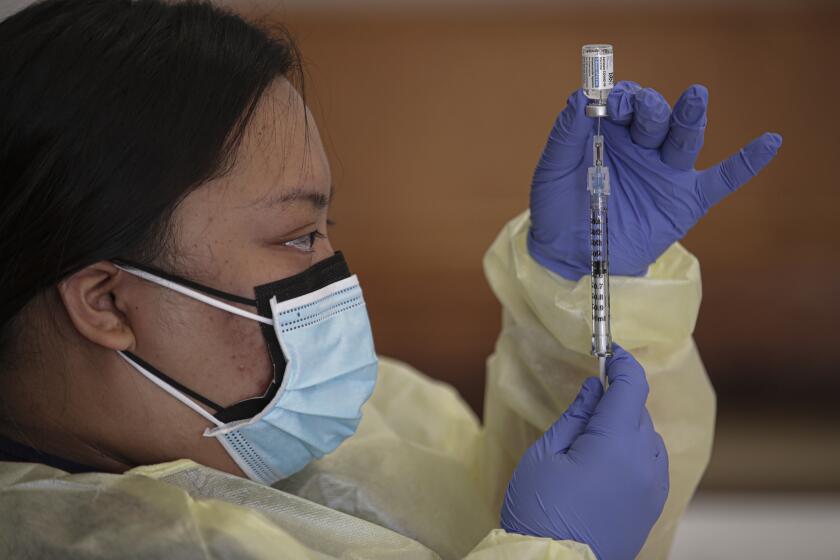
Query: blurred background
[(435, 113)]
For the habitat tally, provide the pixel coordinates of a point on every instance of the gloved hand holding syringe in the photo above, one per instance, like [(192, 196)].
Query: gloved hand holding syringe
[(597, 77)]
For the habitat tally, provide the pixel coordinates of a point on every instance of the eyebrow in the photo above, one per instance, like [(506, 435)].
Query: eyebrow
[(318, 199)]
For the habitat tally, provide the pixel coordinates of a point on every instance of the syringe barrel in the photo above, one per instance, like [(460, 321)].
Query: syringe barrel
[(599, 245)]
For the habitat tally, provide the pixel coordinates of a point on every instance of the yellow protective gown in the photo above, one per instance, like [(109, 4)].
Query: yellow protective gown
[(422, 479)]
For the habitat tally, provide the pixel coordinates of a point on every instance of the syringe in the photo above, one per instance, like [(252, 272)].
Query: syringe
[(598, 183), (597, 77)]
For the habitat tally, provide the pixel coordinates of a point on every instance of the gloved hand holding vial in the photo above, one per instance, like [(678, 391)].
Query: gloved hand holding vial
[(621, 148)]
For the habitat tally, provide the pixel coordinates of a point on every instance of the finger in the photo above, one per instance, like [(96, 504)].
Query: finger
[(718, 181), (567, 141), (688, 123), (650, 119), (620, 409), (660, 451), (620, 102), (563, 433), (664, 463), (655, 443)]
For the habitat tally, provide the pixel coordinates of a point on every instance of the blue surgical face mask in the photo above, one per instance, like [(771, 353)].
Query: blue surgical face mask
[(321, 347)]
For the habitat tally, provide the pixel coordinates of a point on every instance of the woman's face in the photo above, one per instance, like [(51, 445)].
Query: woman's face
[(249, 228)]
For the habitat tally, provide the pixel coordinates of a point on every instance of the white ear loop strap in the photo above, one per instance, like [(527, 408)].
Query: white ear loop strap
[(194, 294), (172, 391)]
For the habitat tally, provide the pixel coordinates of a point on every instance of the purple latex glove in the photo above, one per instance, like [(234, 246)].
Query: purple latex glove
[(657, 195), (599, 475)]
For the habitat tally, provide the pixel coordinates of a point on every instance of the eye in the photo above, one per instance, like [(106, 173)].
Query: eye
[(305, 243)]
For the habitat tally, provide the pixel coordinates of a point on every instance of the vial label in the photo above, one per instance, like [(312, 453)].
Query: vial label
[(597, 71)]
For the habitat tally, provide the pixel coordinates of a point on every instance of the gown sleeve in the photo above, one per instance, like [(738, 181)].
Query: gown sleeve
[(542, 356)]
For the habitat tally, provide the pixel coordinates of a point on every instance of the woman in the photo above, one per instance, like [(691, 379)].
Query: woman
[(183, 350)]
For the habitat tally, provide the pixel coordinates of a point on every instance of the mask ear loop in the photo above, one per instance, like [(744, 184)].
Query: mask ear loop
[(194, 294), (171, 390)]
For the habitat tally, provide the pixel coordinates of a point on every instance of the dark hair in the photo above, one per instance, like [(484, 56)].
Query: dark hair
[(111, 112)]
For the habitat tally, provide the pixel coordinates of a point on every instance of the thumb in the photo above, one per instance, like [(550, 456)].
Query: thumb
[(563, 433), (724, 178), (567, 141)]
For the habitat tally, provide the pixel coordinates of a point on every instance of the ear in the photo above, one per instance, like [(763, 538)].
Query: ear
[(90, 297)]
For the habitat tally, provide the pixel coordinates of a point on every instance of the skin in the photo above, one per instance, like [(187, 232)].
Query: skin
[(73, 395)]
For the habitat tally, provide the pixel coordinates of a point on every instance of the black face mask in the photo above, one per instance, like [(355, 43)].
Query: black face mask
[(318, 276)]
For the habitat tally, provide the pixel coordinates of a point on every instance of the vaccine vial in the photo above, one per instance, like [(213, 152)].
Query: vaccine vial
[(597, 77)]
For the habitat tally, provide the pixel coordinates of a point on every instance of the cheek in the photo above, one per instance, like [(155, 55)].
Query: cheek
[(245, 360), (221, 356)]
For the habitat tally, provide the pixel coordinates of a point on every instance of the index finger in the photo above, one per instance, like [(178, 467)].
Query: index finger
[(621, 101), (622, 405)]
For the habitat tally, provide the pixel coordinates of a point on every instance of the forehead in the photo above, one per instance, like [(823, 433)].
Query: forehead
[(281, 153)]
